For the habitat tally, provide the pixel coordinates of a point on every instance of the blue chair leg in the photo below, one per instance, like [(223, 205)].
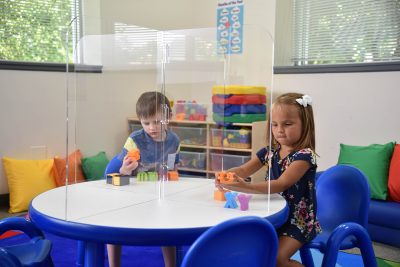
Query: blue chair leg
[(180, 254), (306, 257), (363, 242), (80, 259)]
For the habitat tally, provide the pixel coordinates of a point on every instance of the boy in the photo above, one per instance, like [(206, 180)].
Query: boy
[(156, 145)]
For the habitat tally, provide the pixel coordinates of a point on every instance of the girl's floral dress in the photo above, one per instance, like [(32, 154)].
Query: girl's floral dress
[(302, 223)]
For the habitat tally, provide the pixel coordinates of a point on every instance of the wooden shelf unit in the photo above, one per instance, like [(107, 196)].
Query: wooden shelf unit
[(203, 130)]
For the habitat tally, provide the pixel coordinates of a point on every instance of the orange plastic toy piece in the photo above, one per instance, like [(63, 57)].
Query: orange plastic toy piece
[(219, 195), (134, 154), (173, 176), (225, 177)]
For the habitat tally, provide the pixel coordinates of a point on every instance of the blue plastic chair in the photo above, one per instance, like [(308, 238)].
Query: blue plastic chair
[(35, 252), (113, 166), (343, 197), (245, 241)]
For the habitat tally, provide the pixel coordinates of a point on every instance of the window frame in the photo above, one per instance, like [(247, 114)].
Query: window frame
[(284, 43)]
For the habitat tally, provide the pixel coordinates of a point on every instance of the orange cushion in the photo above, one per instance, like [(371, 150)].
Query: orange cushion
[(75, 173), (394, 175)]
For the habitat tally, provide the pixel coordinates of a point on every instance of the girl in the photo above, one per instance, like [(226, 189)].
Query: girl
[(292, 163)]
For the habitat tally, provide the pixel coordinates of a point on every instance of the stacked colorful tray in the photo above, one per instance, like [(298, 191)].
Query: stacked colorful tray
[(238, 104)]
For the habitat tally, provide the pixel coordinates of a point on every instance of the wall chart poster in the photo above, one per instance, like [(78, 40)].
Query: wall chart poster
[(230, 27)]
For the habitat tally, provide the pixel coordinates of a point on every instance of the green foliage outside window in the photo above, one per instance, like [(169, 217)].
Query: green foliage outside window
[(34, 30)]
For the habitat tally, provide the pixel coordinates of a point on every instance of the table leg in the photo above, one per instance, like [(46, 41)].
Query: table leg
[(94, 254)]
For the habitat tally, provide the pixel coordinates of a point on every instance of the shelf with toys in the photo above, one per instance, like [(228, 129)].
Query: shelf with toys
[(207, 148)]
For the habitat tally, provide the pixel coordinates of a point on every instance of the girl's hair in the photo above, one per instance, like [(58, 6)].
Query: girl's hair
[(307, 138), (151, 103)]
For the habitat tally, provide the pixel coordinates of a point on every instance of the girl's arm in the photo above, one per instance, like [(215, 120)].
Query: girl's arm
[(248, 168), (292, 174)]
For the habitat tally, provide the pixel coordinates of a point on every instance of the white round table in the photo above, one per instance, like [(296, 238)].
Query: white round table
[(99, 213)]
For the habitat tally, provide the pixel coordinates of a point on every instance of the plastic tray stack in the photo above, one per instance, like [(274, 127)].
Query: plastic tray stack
[(238, 104)]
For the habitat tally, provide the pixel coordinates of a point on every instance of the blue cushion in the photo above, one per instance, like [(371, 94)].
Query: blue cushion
[(384, 213)]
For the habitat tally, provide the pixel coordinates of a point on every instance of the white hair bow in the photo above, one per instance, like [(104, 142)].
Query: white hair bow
[(304, 100)]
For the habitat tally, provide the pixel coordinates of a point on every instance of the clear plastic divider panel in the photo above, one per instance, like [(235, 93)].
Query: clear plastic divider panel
[(116, 117), (220, 99)]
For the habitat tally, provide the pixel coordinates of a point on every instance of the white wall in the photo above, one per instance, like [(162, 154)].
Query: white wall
[(350, 108), (357, 108)]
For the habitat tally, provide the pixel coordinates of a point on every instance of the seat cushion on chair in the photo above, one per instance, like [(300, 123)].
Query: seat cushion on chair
[(384, 213)]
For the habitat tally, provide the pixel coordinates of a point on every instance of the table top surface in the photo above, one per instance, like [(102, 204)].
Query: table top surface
[(188, 204)]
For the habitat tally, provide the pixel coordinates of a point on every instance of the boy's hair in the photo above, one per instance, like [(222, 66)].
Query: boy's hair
[(151, 103), (307, 138)]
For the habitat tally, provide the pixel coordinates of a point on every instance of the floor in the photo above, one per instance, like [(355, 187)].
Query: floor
[(381, 250)]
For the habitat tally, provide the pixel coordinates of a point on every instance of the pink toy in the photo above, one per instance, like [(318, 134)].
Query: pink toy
[(244, 201)]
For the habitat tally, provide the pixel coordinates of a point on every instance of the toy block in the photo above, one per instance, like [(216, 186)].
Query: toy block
[(226, 177), (134, 154), (230, 200), (110, 176), (117, 179), (244, 201), (219, 195), (173, 176), (152, 176), (147, 176)]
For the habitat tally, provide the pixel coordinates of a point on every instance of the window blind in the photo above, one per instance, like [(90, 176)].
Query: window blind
[(345, 31), (34, 30)]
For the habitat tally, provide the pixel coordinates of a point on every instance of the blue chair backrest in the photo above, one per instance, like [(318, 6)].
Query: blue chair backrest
[(244, 241), (343, 195), (113, 166)]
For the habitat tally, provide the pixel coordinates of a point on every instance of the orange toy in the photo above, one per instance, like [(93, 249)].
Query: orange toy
[(134, 154), (173, 176), (219, 195), (225, 177)]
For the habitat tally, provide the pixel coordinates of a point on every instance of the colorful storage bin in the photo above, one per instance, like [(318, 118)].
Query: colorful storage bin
[(239, 104)]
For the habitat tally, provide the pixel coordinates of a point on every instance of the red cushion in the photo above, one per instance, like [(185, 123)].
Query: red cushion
[(394, 175)]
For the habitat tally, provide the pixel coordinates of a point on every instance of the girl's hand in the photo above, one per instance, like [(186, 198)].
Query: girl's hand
[(238, 183), (128, 165)]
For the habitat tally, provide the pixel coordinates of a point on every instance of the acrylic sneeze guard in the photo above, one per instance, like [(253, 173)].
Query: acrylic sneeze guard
[(111, 71)]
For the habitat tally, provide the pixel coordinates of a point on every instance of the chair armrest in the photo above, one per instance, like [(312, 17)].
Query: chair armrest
[(20, 224)]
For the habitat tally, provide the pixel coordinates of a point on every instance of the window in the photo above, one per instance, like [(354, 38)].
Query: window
[(338, 34), (34, 31)]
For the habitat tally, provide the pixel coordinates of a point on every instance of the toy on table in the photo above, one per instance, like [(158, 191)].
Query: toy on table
[(219, 194), (244, 201), (134, 154), (117, 179), (147, 176), (225, 177), (230, 200), (173, 176)]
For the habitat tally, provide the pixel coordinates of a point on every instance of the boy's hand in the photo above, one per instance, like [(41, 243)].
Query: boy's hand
[(128, 165)]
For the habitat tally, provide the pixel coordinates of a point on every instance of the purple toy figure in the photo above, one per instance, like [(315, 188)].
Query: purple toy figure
[(244, 201)]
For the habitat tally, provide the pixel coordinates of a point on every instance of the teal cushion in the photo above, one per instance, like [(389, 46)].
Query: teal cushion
[(94, 167), (373, 161)]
